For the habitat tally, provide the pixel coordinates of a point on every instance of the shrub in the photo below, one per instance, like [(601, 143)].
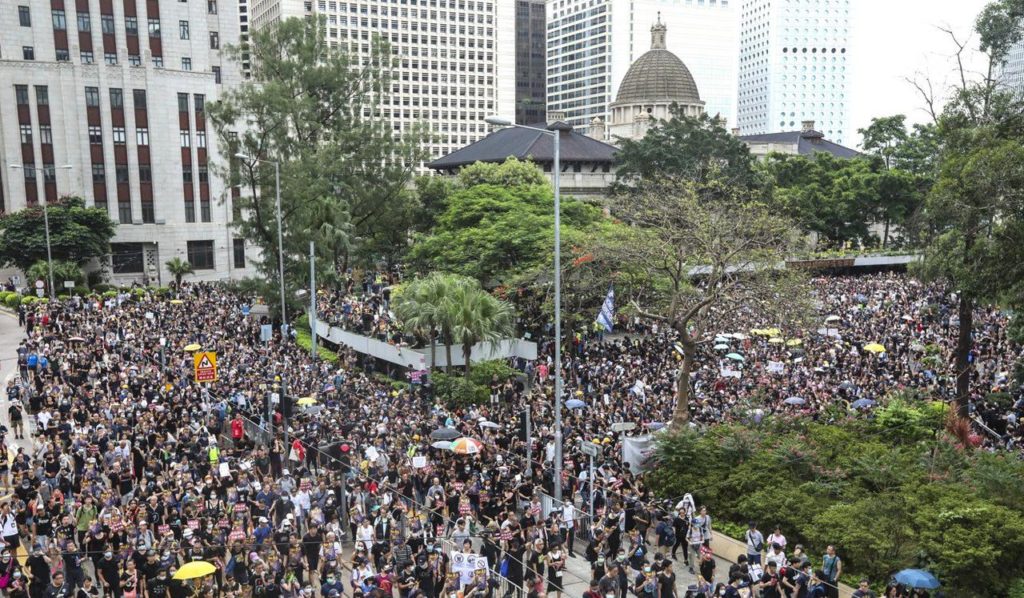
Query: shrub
[(102, 288), (28, 300), (483, 371), (13, 300), (456, 391), (109, 294)]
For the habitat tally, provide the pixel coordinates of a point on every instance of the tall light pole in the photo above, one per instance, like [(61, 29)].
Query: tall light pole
[(280, 235), (46, 222), (555, 133)]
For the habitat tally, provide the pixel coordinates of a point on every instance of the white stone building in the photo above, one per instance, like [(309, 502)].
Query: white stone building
[(593, 43), (794, 56), (457, 58), (116, 91)]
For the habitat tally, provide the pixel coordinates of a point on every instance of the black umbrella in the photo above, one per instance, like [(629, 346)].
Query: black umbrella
[(445, 434)]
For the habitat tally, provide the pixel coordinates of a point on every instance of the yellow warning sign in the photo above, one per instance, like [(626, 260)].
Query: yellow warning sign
[(205, 366)]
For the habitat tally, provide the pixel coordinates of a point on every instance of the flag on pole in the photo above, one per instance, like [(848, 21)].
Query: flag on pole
[(605, 318)]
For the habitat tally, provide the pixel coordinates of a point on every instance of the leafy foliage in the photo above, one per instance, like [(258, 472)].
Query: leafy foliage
[(77, 233), (890, 492), (457, 391), (62, 271)]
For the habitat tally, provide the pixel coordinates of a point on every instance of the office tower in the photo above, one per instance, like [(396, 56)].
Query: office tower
[(106, 100), (592, 43), (793, 66), (531, 62), (1011, 72), (456, 58)]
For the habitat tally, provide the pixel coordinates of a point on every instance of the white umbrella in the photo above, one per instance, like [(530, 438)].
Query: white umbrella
[(489, 424), (442, 444)]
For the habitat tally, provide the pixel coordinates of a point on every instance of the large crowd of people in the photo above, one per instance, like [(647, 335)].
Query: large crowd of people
[(134, 470)]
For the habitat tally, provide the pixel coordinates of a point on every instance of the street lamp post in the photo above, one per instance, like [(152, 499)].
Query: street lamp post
[(46, 223), (556, 182), (280, 235)]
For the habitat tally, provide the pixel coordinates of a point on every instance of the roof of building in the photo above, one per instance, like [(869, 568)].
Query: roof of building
[(524, 144), (806, 142), (658, 76)]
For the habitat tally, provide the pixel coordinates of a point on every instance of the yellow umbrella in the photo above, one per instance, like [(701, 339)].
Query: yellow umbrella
[(195, 569), (757, 331), (794, 342), (772, 332), (193, 347), (776, 340), (874, 348), (306, 401), (176, 301)]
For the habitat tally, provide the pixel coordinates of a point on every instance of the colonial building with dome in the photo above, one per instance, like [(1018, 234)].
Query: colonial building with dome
[(652, 84)]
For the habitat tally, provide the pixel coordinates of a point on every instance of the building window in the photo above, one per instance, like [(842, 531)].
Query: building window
[(26, 134), (204, 175), (154, 27), (49, 173), (21, 94), (186, 140), (119, 136), (62, 55), (121, 173), (60, 21), (87, 57), (30, 173), (92, 96), (42, 95), (110, 58), (127, 258), (95, 135), (99, 174), (200, 138), (200, 255), (200, 101), (84, 23), (139, 98), (28, 53), (145, 173), (238, 249), (131, 25), (107, 24), (183, 102), (186, 64), (142, 136), (24, 17), (124, 212), (216, 75), (148, 213), (45, 135), (211, 7), (116, 99), (186, 173), (134, 60), (214, 40), (158, 62), (183, 29)]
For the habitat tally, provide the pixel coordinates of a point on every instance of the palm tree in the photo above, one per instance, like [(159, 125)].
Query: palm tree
[(421, 306), (477, 316), (178, 269)]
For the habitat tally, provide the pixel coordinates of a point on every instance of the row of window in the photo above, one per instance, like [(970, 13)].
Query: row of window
[(129, 258)]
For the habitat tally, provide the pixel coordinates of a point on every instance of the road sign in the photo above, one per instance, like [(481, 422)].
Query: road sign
[(205, 366), (39, 292), (69, 284), (40, 284), (590, 449)]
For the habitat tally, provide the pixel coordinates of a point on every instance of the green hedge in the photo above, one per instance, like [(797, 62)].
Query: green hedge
[(13, 300), (456, 391), (890, 492)]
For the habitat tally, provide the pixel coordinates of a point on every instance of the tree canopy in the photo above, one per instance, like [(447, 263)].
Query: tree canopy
[(498, 225), (77, 233), (684, 148)]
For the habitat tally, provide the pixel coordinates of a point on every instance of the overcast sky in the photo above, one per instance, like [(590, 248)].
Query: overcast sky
[(896, 39)]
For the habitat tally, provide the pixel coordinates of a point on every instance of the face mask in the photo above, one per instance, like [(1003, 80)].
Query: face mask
[(108, 555)]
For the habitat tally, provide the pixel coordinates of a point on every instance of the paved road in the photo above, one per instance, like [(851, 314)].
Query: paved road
[(11, 336)]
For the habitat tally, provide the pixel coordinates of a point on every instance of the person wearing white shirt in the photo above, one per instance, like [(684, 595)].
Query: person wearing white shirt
[(777, 538), (569, 516)]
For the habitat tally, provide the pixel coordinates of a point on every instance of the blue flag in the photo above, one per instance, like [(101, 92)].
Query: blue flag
[(607, 315)]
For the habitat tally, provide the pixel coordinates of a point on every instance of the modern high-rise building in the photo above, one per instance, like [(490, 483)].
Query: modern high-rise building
[(793, 66), (106, 100), (531, 61), (592, 43), (457, 58), (1011, 72)]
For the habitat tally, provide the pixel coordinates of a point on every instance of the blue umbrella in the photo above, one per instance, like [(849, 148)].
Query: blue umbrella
[(575, 404), (655, 425), (735, 356), (862, 403), (917, 578)]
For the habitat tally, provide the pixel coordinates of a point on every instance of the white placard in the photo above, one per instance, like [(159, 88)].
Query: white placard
[(419, 461)]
